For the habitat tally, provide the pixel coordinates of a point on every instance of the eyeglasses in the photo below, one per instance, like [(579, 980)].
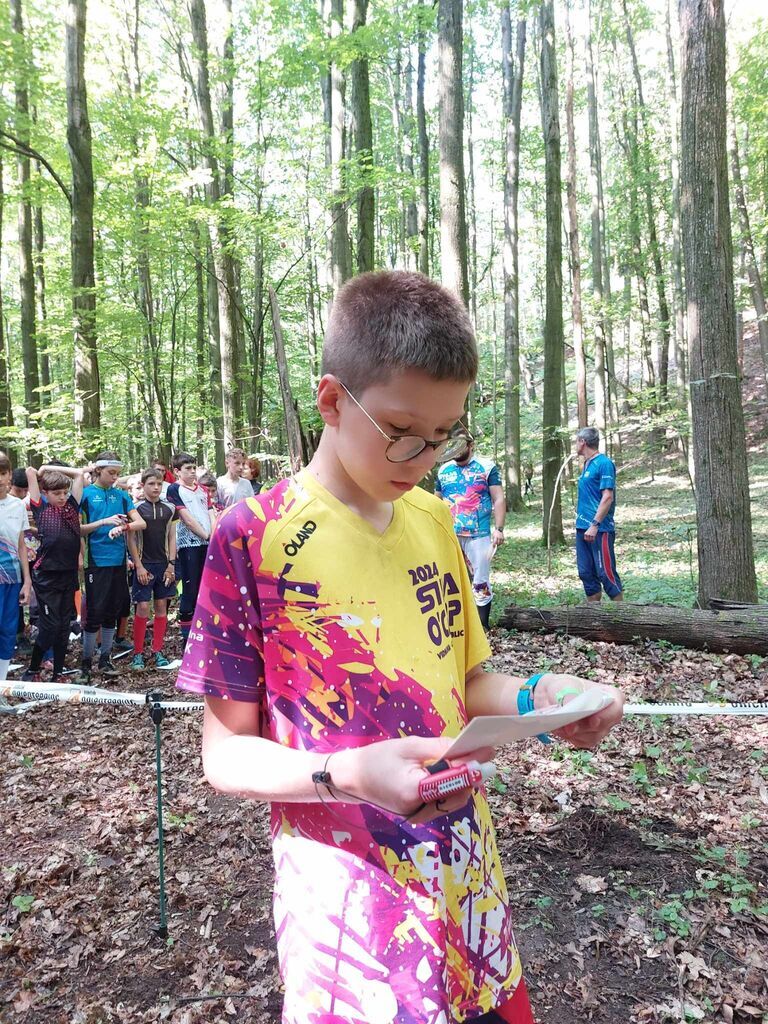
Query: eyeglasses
[(405, 447)]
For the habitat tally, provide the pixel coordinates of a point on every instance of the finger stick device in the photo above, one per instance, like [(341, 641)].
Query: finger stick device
[(446, 779)]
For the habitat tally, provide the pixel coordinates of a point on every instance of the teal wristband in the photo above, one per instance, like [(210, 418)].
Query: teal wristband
[(525, 700)]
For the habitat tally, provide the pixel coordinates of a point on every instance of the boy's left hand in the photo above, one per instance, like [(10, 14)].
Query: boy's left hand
[(25, 593), (588, 732)]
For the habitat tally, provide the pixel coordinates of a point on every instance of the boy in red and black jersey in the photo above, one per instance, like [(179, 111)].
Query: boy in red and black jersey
[(54, 572)]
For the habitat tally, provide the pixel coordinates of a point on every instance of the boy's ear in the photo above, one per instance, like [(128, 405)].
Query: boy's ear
[(329, 391)]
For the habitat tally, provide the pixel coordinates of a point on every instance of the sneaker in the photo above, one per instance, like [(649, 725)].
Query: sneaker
[(122, 643), (137, 663), (31, 677), (160, 660), (83, 677), (106, 668)]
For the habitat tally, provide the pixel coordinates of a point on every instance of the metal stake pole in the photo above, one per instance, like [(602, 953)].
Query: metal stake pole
[(157, 713)]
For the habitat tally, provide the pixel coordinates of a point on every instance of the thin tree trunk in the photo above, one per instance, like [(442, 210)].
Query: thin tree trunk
[(453, 220), (724, 523), (362, 135), (662, 366), (214, 358), (42, 307), (678, 292), (552, 448), (341, 260), (421, 123), (292, 424), (223, 264), (26, 262), (6, 406), (750, 261), (573, 236), (87, 385), (411, 210), (201, 354), (596, 238), (512, 69)]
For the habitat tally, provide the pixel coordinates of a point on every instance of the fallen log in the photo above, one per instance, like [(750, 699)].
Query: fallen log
[(743, 631)]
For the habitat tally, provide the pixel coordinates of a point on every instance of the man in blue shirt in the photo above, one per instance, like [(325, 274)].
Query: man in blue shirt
[(594, 519), (471, 486)]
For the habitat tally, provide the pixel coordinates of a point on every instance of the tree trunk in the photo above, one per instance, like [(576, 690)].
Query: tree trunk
[(341, 259), (214, 357), (512, 64), (741, 632), (453, 221), (6, 407), (223, 263), (292, 424), (596, 239), (753, 271), (724, 534), (573, 236), (42, 308), (662, 368), (26, 262), (681, 358), (552, 448), (87, 384), (362, 134), (421, 124)]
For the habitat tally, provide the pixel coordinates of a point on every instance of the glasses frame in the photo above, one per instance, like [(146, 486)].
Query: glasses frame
[(434, 445)]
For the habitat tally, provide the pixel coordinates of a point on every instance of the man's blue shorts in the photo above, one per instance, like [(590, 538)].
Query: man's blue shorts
[(155, 588), (596, 562)]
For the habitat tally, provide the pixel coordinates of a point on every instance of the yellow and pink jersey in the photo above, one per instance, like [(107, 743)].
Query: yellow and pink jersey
[(346, 636)]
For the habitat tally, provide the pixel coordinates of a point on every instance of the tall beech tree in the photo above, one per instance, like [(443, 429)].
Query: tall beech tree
[(724, 523), (26, 261), (362, 131), (512, 64), (223, 269), (80, 147), (453, 218), (552, 447)]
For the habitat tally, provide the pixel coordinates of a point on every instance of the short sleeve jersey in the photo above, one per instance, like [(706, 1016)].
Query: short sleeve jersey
[(598, 475), (153, 542), (345, 637), (13, 519), (102, 503), (58, 530), (467, 491), (229, 491), (197, 502)]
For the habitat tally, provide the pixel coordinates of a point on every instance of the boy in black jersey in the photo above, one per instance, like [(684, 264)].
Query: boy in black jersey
[(154, 575), (54, 572)]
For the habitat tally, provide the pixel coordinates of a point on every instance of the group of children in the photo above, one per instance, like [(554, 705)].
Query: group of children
[(135, 538)]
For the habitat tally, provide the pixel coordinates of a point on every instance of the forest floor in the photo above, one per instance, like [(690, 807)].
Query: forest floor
[(639, 873)]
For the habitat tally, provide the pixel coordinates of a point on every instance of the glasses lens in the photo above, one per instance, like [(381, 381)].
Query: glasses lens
[(404, 448), (452, 447)]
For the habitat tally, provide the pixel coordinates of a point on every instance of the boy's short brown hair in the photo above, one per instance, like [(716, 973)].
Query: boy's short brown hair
[(237, 453), (53, 480), (5, 464), (392, 320), (148, 474), (208, 479)]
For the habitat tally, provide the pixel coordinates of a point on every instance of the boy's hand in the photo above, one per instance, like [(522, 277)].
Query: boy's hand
[(117, 531), (588, 732), (115, 520), (142, 575), (169, 575), (388, 774), (25, 593)]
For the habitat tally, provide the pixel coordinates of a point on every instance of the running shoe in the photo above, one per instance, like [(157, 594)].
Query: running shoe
[(160, 660), (137, 663)]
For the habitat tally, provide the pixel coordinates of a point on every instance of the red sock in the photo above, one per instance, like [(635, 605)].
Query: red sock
[(139, 632), (158, 633)]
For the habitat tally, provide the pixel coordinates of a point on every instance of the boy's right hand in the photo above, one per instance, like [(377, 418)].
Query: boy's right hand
[(142, 575), (388, 774), (115, 520)]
